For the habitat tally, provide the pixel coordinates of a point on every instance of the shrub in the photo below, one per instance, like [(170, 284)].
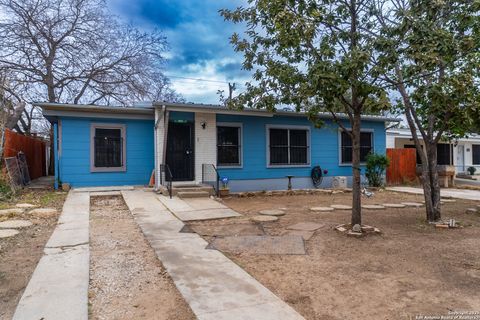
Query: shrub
[(5, 191), (471, 170), (376, 166)]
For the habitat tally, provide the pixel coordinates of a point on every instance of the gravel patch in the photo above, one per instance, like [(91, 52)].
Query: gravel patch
[(127, 281)]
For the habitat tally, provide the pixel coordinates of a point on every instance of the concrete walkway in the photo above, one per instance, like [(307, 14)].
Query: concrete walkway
[(213, 286), (58, 288), (450, 193), (192, 209)]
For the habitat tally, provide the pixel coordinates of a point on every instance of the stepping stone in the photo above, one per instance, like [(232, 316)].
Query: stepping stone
[(242, 229), (11, 210), (306, 226), (373, 207), (264, 218), (413, 204), (44, 212), (7, 233), (393, 205), (25, 205), (341, 207), (260, 245), (448, 200), (273, 212), (306, 235), (321, 209), (13, 224)]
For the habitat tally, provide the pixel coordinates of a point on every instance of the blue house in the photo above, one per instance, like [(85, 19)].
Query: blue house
[(253, 149)]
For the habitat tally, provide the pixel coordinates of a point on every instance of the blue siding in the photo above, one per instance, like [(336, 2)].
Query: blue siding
[(323, 143), (74, 161)]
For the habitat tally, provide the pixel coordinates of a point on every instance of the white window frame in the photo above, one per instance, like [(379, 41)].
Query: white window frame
[(349, 164), (288, 127), (123, 130), (238, 125)]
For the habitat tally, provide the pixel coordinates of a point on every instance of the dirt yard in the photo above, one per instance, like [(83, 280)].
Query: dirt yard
[(20, 254), (410, 269), (127, 281)]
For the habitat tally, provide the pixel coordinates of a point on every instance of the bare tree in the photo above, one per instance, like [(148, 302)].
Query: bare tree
[(75, 51)]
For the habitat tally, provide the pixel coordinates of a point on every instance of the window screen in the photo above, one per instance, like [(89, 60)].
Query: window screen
[(288, 146), (228, 146), (347, 147), (108, 144)]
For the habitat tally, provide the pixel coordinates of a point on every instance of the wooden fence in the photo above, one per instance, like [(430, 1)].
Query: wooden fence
[(34, 149), (402, 169)]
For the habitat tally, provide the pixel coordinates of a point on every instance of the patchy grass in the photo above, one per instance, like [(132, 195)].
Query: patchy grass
[(42, 198), (20, 254)]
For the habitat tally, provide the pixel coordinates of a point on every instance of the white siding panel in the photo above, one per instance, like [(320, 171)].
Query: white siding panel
[(205, 142)]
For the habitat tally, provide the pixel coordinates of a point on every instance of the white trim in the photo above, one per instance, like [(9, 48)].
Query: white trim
[(240, 138), (288, 127), (104, 115), (123, 130), (349, 164)]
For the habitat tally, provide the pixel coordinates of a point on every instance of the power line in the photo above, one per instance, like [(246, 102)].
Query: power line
[(198, 79)]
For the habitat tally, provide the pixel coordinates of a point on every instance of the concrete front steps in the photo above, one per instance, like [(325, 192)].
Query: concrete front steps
[(189, 191)]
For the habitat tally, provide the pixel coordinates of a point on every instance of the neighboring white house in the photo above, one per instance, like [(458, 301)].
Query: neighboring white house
[(462, 153)]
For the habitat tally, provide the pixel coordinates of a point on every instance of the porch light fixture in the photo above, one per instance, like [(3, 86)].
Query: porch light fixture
[(204, 125)]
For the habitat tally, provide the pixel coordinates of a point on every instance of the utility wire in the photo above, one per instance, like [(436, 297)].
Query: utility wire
[(197, 79)]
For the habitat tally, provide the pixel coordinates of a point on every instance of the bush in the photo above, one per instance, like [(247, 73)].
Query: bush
[(471, 170), (376, 166), (5, 191)]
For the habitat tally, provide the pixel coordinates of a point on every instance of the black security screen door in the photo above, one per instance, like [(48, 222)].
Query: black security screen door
[(180, 155)]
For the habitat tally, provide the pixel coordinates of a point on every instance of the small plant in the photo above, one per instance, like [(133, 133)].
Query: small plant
[(376, 166), (471, 170), (6, 191)]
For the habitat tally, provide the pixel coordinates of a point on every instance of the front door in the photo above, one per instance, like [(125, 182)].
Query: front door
[(461, 158), (180, 157)]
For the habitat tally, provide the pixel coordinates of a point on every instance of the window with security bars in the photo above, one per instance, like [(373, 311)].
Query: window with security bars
[(366, 146), (288, 146), (444, 154), (476, 154), (108, 148), (228, 146)]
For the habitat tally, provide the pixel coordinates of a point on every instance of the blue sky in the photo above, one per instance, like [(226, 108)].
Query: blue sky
[(198, 40)]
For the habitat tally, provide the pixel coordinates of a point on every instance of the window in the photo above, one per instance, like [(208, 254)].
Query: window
[(288, 146), (366, 146), (444, 154), (229, 145), (476, 154), (107, 148)]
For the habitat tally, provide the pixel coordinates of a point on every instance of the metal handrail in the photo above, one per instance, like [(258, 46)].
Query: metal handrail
[(166, 178), (216, 183)]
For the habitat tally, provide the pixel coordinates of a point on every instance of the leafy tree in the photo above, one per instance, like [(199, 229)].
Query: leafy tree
[(430, 56), (316, 55)]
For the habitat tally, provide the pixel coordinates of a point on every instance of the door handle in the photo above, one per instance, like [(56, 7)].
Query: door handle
[(188, 152)]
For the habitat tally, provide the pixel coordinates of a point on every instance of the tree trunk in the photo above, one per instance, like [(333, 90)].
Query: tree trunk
[(432, 197), (356, 186)]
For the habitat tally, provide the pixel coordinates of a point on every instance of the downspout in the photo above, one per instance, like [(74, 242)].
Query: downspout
[(166, 117), (161, 115)]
